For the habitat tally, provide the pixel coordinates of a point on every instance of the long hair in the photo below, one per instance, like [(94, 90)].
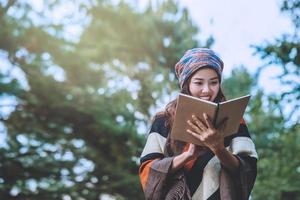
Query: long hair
[(174, 147)]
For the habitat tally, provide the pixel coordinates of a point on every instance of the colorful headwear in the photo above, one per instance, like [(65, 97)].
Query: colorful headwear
[(193, 60)]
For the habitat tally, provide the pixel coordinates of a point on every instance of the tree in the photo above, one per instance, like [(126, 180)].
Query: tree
[(279, 140), (284, 53), (74, 131)]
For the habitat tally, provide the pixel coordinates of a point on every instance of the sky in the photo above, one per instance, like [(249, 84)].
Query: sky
[(235, 26)]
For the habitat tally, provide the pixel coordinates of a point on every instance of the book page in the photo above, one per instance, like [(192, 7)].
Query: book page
[(186, 107), (233, 109)]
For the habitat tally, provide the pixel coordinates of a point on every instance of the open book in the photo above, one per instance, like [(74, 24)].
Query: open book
[(188, 105)]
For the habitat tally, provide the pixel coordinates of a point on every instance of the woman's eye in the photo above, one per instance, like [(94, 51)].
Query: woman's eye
[(214, 83), (198, 83)]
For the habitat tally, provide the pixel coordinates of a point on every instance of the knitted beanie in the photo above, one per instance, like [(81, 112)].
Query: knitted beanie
[(195, 59)]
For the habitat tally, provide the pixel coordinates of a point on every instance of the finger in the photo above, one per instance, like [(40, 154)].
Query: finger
[(195, 135), (208, 121), (199, 123), (191, 147), (194, 127)]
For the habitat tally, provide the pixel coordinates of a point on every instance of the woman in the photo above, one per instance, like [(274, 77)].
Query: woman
[(225, 168)]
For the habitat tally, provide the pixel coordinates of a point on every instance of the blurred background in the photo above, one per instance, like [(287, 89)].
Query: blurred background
[(80, 81)]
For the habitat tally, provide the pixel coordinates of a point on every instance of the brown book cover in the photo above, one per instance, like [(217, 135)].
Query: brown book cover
[(188, 105)]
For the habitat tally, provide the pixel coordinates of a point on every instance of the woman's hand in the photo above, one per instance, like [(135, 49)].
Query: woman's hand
[(207, 133), (213, 138), (192, 152), (195, 151)]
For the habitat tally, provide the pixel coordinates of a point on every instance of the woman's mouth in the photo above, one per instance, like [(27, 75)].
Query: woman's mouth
[(205, 98)]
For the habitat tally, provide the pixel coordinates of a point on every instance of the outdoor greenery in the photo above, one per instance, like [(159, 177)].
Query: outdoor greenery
[(82, 89)]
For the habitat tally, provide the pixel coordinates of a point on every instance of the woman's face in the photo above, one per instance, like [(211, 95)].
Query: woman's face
[(204, 84)]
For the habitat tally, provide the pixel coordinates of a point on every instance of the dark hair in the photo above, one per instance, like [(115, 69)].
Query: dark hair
[(175, 147)]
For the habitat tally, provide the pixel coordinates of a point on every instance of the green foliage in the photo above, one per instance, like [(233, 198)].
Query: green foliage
[(292, 8), (240, 82), (277, 136), (9, 86), (74, 132), (285, 53)]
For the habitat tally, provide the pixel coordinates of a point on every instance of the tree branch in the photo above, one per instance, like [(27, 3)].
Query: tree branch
[(9, 4), (8, 105), (5, 9)]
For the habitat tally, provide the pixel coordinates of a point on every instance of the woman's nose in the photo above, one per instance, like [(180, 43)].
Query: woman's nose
[(205, 88)]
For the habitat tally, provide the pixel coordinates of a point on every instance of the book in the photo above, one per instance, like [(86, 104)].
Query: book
[(188, 105)]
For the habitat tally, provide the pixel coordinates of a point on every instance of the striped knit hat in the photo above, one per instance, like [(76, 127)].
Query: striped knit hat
[(193, 60)]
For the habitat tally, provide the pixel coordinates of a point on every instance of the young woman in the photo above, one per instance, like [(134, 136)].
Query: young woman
[(225, 168)]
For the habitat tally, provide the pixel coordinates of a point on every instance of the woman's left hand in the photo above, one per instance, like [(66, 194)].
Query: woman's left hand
[(205, 132)]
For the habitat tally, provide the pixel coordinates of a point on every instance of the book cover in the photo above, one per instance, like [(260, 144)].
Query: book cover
[(188, 105)]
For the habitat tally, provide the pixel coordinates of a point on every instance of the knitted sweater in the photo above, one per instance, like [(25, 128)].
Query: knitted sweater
[(203, 178)]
